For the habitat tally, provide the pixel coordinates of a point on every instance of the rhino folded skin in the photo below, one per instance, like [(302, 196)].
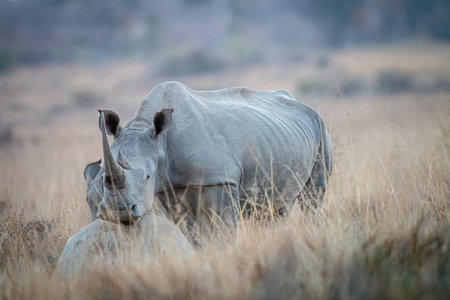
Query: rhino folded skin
[(106, 243)]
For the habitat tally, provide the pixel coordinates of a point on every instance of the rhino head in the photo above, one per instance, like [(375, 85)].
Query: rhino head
[(131, 165)]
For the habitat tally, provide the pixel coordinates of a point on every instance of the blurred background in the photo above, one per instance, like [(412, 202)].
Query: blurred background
[(310, 47), (194, 36), (65, 58)]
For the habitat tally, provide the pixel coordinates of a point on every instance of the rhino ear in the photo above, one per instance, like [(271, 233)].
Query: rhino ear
[(162, 122), (92, 170), (112, 122)]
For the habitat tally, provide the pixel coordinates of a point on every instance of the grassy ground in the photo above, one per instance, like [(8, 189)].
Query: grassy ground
[(382, 232)]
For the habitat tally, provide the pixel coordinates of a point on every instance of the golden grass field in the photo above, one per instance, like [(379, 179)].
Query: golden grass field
[(383, 230)]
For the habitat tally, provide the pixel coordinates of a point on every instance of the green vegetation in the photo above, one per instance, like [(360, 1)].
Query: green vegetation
[(352, 86), (391, 82), (313, 86), (7, 60)]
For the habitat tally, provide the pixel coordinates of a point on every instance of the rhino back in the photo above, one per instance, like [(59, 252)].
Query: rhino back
[(234, 135), (106, 243)]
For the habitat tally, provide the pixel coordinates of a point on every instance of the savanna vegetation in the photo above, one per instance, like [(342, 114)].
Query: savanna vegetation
[(383, 230)]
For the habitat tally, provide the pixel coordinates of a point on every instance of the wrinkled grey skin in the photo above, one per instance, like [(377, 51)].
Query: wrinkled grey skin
[(104, 243), (211, 151)]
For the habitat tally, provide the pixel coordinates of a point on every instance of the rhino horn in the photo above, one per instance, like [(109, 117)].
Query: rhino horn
[(114, 174)]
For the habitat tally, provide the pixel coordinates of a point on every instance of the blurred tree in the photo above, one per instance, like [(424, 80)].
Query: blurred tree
[(36, 31), (152, 26), (439, 20), (197, 2), (336, 17)]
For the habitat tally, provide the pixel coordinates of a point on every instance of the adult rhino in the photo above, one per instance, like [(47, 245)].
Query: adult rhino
[(209, 151)]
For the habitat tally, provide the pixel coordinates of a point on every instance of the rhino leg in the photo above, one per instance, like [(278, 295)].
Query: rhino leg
[(173, 205), (314, 190), (285, 211), (217, 209), (227, 205), (202, 211)]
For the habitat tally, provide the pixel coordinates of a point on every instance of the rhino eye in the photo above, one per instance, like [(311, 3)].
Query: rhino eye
[(147, 177)]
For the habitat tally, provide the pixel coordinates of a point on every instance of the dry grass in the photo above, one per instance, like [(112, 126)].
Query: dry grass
[(382, 232)]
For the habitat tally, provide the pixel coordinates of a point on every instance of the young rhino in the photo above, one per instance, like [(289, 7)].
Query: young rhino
[(107, 243)]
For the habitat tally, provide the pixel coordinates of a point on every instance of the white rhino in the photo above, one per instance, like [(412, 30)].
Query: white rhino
[(211, 152), (107, 243)]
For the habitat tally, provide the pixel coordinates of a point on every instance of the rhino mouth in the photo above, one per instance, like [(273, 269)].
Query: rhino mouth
[(119, 217), (124, 221), (129, 222)]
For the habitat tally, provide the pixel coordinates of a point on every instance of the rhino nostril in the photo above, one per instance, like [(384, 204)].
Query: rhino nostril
[(133, 207)]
